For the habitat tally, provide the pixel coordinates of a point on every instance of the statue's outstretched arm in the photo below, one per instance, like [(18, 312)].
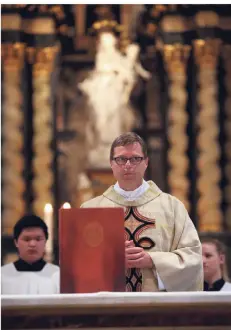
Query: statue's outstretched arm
[(142, 72)]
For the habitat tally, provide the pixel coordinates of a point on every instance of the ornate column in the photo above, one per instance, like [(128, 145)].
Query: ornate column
[(174, 28), (43, 140), (209, 173), (176, 57), (13, 182), (226, 52), (225, 28), (40, 33), (43, 134)]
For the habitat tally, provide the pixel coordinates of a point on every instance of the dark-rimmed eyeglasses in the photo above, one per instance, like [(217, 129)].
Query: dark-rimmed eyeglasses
[(123, 160)]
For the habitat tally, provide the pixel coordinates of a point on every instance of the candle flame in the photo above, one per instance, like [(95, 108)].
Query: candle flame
[(48, 208), (66, 205)]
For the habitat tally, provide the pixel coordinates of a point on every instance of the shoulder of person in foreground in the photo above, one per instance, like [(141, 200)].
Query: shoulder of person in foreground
[(54, 272), (7, 268), (54, 268), (226, 287)]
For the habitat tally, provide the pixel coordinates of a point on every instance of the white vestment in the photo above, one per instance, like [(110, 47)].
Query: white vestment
[(159, 223), (226, 287), (132, 196), (17, 282)]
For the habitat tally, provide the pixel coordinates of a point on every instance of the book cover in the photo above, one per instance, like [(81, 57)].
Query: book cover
[(91, 250)]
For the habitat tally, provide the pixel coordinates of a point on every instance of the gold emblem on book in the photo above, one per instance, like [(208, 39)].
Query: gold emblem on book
[(93, 234)]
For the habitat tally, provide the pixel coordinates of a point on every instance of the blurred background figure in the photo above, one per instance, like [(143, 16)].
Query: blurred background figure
[(30, 274), (215, 267), (109, 88)]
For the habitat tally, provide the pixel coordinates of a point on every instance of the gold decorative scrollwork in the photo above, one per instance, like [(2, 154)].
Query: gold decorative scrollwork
[(226, 52), (209, 213), (43, 60), (12, 136), (176, 57)]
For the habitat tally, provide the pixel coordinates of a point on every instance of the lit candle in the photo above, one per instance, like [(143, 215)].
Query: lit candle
[(66, 206), (48, 218)]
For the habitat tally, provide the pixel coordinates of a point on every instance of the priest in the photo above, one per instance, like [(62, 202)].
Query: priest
[(30, 274), (162, 247)]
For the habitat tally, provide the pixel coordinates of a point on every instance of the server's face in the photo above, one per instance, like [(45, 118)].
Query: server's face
[(212, 261), (31, 244)]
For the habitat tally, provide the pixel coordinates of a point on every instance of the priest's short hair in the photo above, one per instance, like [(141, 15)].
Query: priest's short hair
[(29, 221)]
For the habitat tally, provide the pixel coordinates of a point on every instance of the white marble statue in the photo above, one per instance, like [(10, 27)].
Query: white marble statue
[(108, 88)]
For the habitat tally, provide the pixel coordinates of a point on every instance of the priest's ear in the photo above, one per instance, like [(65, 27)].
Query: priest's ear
[(146, 161)]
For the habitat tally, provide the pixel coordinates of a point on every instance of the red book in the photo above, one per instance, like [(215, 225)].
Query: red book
[(91, 250)]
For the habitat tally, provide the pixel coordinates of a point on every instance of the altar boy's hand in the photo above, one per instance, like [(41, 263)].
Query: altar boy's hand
[(136, 257)]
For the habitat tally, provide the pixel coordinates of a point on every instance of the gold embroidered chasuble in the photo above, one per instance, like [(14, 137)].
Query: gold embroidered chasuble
[(159, 223)]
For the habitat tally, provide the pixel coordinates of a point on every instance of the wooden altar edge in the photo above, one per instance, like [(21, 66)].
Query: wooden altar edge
[(118, 310), (117, 303)]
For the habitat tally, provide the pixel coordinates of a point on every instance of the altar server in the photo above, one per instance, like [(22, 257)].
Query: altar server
[(30, 274), (215, 267)]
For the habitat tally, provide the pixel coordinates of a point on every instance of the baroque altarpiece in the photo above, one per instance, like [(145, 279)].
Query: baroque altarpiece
[(76, 76)]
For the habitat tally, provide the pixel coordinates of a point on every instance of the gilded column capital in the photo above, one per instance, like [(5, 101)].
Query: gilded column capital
[(13, 55), (207, 51), (42, 58), (176, 57)]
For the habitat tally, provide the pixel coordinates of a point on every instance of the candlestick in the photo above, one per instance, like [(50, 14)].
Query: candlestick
[(48, 218)]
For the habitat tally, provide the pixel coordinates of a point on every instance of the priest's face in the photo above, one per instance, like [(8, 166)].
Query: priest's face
[(31, 244), (212, 262), (129, 165)]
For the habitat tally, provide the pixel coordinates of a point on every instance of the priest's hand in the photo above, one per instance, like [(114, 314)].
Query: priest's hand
[(136, 257)]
